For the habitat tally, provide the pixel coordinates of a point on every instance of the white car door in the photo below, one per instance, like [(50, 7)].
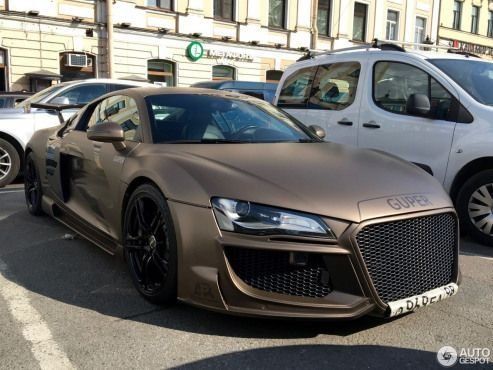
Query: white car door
[(385, 123)]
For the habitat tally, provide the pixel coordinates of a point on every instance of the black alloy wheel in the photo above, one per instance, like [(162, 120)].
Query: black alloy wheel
[(150, 245), (32, 187)]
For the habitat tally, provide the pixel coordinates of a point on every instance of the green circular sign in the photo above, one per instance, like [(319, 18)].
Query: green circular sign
[(195, 50)]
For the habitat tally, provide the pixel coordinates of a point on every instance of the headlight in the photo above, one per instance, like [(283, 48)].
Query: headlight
[(250, 218)]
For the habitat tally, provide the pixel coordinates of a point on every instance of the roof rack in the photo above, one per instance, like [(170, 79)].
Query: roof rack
[(461, 52)]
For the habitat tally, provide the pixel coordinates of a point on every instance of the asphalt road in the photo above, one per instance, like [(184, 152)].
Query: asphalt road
[(67, 304)]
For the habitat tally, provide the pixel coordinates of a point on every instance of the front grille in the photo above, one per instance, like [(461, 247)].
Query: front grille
[(271, 271), (411, 256)]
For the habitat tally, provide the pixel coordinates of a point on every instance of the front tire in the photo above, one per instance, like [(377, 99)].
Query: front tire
[(32, 187), (475, 207), (150, 246), (10, 163)]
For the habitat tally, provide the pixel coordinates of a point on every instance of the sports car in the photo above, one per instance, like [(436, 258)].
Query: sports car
[(226, 202)]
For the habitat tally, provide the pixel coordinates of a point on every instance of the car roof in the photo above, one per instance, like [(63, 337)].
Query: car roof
[(144, 92)]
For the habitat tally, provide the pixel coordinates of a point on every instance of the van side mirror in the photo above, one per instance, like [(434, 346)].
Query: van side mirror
[(108, 132), (418, 104), (317, 130)]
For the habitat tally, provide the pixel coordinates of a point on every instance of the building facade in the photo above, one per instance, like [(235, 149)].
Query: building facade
[(180, 42), (468, 25)]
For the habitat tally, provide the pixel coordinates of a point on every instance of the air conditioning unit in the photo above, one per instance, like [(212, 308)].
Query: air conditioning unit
[(76, 60)]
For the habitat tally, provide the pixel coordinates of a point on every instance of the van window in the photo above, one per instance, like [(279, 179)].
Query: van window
[(296, 88), (394, 82), (334, 87)]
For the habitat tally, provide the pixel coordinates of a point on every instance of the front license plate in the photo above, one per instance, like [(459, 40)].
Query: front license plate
[(425, 299)]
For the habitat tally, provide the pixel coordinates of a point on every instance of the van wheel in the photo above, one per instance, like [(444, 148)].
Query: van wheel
[(10, 163), (475, 207)]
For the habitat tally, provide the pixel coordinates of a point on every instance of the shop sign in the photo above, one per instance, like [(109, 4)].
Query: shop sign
[(235, 55), (195, 50), (472, 48)]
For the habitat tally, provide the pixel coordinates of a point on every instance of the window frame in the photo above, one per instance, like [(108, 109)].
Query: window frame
[(425, 21), (283, 25), (327, 33), (220, 17), (476, 10), (271, 71), (159, 6), (173, 70), (365, 22), (456, 106), (232, 68), (310, 88), (457, 15), (389, 24)]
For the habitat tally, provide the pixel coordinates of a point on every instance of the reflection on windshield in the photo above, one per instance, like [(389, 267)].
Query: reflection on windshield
[(38, 97), (215, 119), (474, 76)]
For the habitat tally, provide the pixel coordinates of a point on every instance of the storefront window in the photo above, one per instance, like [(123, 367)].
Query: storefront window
[(359, 21), (273, 75), (392, 25), (323, 17), (224, 9), (223, 73), (164, 4), (277, 13), (77, 66), (161, 72), (3, 70)]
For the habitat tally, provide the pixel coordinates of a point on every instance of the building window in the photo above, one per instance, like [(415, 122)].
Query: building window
[(224, 9), (474, 19), (277, 13), (161, 72), (273, 75), (490, 25), (3, 70), (77, 66), (420, 30), (457, 15), (323, 17), (359, 21), (163, 4), (220, 73), (392, 25)]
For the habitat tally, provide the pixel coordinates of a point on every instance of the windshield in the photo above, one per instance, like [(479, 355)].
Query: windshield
[(38, 97), (474, 76), (215, 119)]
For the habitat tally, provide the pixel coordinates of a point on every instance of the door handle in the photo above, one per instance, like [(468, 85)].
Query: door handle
[(345, 122), (371, 124)]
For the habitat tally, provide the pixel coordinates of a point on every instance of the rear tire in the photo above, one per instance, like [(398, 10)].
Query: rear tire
[(32, 187), (10, 163), (150, 247), (475, 207)]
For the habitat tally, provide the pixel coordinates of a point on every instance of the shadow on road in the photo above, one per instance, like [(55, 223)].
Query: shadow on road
[(321, 357), (78, 273)]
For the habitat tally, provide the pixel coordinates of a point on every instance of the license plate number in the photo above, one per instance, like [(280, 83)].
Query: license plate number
[(422, 300)]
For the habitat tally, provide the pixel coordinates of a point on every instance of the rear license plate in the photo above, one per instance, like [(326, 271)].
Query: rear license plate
[(422, 300)]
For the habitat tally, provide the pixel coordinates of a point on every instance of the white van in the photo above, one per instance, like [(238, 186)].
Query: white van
[(433, 109)]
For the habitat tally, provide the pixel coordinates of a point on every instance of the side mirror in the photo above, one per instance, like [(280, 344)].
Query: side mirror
[(60, 100), (317, 130), (418, 104), (108, 132)]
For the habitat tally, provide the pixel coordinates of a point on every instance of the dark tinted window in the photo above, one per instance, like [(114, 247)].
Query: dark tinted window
[(196, 118), (296, 88), (334, 87), (394, 83), (82, 94), (277, 13), (223, 9)]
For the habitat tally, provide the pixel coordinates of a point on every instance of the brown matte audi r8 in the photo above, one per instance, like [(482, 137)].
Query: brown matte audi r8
[(226, 202)]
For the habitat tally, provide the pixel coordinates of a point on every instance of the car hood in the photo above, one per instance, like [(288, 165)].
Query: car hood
[(322, 178)]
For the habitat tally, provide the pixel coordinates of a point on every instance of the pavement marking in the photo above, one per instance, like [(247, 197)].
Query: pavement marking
[(11, 191), (44, 348), (475, 255)]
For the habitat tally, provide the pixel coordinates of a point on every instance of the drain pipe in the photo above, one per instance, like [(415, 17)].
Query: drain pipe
[(109, 35), (314, 23)]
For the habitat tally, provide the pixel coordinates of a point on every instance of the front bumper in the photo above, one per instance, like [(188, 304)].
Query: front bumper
[(208, 276)]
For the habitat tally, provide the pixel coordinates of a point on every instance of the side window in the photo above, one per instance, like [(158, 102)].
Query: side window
[(334, 87), (122, 110), (82, 94), (394, 83), (296, 88)]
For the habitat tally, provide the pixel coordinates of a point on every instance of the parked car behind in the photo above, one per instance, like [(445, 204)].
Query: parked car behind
[(433, 109), (10, 99), (261, 90), (18, 124)]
